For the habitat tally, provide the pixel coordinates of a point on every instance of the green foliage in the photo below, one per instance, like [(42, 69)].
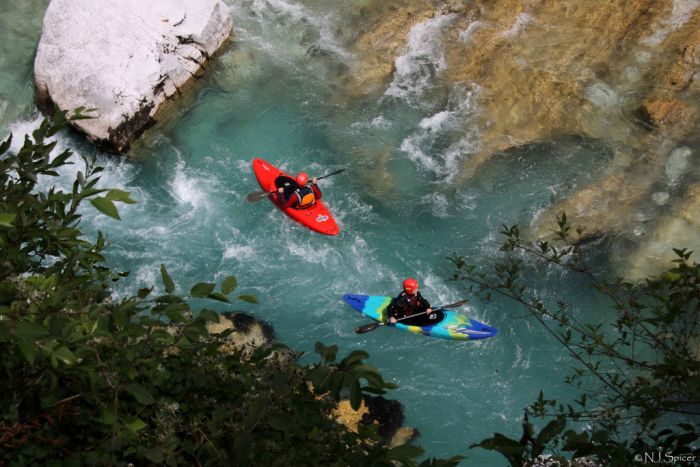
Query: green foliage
[(88, 379), (637, 374)]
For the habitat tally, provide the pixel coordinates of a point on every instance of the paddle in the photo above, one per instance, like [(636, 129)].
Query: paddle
[(372, 326), (256, 196)]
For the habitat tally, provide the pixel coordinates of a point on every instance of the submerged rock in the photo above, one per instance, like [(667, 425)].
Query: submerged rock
[(124, 59), (678, 229), (623, 73)]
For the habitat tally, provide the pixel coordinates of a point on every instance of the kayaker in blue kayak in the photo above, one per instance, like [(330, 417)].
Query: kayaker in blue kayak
[(408, 303), (297, 193)]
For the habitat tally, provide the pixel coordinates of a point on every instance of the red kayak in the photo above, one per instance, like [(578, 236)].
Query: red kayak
[(317, 217)]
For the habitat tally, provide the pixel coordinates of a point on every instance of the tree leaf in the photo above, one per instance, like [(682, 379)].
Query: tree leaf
[(218, 296), (28, 349), (64, 355), (281, 421), (248, 298), (167, 281), (404, 453), (228, 285), (354, 357), (154, 455), (120, 195), (6, 144), (509, 448), (175, 315), (140, 393), (143, 293), (208, 315), (355, 395), (136, 424), (30, 330), (106, 206), (7, 218), (547, 433), (202, 289)]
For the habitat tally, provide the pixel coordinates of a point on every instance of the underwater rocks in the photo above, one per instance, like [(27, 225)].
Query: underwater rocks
[(622, 73), (678, 229), (124, 59)]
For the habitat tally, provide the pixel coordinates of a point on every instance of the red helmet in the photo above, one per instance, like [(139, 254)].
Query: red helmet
[(410, 285), (302, 178)]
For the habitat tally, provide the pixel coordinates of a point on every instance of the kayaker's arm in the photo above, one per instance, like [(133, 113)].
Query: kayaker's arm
[(317, 191), (287, 203)]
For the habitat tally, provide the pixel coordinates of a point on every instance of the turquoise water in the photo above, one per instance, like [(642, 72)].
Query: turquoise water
[(272, 94)]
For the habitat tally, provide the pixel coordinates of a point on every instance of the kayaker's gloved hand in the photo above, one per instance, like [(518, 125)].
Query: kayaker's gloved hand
[(313, 180), (392, 320)]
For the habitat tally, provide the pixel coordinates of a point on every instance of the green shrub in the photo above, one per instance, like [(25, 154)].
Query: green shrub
[(638, 376), (90, 379)]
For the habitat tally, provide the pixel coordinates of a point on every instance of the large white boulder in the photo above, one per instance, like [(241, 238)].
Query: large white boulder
[(124, 58)]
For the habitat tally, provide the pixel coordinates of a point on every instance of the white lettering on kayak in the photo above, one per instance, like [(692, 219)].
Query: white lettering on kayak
[(464, 330), (265, 167), (321, 218)]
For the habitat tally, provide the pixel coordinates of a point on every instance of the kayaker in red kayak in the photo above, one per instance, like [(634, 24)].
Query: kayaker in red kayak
[(408, 303), (297, 193)]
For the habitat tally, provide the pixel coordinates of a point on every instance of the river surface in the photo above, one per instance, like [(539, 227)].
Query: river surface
[(271, 94)]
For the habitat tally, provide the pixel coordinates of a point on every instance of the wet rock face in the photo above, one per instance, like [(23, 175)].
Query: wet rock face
[(678, 229), (623, 73), (124, 59)]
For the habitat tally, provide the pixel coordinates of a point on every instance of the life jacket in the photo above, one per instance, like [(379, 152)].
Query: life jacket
[(305, 196), (406, 305)]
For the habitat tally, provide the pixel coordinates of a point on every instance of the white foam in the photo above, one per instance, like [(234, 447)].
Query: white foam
[(351, 206), (521, 22), (21, 128), (293, 11), (438, 204), (282, 29), (434, 288), (677, 164), (424, 146), (186, 189), (660, 197), (239, 252), (376, 122), (423, 57), (310, 252), (365, 263), (411, 145), (147, 276), (437, 121), (601, 95), (380, 122), (467, 200), (466, 35)]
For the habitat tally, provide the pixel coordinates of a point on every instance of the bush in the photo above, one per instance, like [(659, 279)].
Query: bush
[(639, 377), (89, 379)]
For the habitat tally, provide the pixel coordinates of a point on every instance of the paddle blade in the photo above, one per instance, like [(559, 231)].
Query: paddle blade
[(256, 196), (367, 328), (456, 304)]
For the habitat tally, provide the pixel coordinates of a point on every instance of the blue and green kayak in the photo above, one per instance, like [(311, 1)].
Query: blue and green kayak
[(444, 324)]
